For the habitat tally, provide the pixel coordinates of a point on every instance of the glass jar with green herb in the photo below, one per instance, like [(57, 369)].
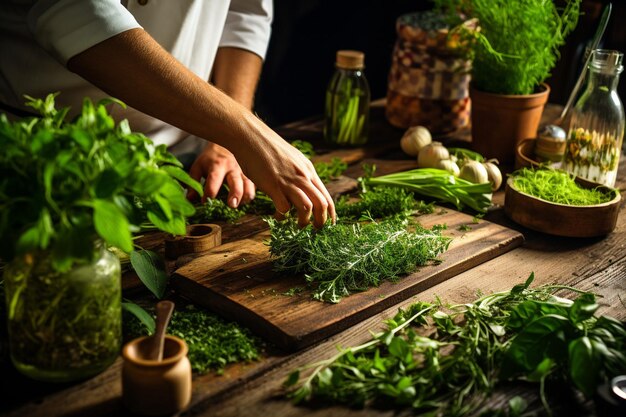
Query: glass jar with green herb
[(347, 102), (63, 325), (597, 125)]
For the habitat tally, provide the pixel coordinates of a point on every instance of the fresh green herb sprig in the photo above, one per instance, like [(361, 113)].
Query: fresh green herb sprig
[(381, 203), (64, 183), (440, 185), (558, 187), (447, 360), (213, 342), (344, 258), (215, 209), (328, 171)]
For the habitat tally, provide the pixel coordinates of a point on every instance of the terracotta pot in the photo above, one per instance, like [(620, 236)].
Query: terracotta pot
[(500, 122)]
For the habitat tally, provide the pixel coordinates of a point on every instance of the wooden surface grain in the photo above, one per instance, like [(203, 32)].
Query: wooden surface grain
[(255, 389)]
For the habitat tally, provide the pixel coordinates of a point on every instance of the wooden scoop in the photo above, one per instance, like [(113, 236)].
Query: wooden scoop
[(164, 311)]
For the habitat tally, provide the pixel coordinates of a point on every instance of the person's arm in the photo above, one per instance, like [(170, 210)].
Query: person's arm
[(236, 72), (133, 67)]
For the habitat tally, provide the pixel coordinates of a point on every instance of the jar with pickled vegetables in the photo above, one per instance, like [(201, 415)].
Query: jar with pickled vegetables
[(347, 102)]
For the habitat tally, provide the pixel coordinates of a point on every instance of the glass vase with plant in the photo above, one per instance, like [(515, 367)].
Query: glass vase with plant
[(513, 52), (68, 191)]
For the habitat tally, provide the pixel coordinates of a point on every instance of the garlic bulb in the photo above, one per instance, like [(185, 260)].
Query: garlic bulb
[(448, 165), (414, 139), (430, 155), (493, 174), (474, 171)]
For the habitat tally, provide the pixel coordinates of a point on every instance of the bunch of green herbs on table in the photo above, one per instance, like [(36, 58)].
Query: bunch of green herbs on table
[(380, 203), (446, 360), (439, 185), (340, 259), (558, 187), (213, 342)]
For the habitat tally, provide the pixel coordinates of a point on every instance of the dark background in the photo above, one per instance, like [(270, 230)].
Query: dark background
[(307, 33)]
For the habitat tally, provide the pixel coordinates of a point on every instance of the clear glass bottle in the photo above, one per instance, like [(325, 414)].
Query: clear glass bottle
[(596, 128), (64, 326), (347, 102)]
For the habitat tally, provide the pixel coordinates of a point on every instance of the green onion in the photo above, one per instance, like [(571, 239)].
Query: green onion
[(440, 185)]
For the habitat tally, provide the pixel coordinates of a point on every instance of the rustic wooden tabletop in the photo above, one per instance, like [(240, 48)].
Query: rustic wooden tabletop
[(254, 389)]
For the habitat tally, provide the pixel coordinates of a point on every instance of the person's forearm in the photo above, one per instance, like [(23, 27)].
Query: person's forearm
[(133, 67), (236, 72)]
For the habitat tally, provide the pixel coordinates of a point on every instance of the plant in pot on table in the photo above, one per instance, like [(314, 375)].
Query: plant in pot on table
[(513, 56), (68, 191)]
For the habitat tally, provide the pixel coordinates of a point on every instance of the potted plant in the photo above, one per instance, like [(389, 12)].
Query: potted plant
[(68, 191), (514, 51)]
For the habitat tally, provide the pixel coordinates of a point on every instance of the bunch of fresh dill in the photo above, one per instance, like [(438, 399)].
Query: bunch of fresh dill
[(338, 260)]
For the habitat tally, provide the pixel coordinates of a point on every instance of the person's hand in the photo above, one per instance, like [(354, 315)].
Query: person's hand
[(283, 173), (216, 164)]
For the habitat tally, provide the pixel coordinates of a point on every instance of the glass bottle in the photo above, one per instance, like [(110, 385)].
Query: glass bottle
[(63, 326), (596, 128), (347, 102)]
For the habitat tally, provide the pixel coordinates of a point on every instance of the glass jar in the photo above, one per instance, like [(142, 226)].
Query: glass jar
[(63, 326), (428, 83), (596, 128), (347, 102)]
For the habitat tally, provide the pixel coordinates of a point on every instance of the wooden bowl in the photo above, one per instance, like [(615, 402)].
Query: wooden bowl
[(560, 219)]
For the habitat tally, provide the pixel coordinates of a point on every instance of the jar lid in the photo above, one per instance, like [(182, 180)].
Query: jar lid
[(348, 59)]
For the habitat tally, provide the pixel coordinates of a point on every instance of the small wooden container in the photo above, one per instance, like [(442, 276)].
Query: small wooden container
[(560, 219), (155, 388)]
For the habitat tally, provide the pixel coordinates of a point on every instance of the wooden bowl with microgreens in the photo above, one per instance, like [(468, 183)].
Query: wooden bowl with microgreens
[(555, 202)]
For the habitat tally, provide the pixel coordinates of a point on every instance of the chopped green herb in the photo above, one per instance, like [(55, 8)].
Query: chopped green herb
[(558, 187), (213, 342), (464, 228)]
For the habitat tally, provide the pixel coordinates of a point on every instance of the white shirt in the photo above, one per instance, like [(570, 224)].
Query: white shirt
[(37, 38)]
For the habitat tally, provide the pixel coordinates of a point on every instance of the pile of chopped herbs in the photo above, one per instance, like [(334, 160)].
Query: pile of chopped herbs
[(558, 187), (340, 259), (446, 360), (213, 342)]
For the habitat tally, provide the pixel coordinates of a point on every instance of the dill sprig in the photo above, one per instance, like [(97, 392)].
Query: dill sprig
[(558, 187), (338, 260)]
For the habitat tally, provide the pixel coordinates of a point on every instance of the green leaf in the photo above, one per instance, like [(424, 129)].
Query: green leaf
[(583, 366), (108, 183), (112, 225), (151, 271), (531, 346), (182, 176), (142, 315), (399, 348), (175, 226), (583, 308), (292, 379)]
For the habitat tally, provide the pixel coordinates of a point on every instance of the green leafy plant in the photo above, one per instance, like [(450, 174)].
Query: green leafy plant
[(64, 183), (519, 40), (380, 203), (446, 360), (341, 259)]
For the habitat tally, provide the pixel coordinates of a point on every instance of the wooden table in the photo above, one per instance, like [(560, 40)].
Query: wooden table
[(254, 389)]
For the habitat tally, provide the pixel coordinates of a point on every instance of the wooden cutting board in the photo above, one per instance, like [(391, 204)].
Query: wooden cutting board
[(236, 280)]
